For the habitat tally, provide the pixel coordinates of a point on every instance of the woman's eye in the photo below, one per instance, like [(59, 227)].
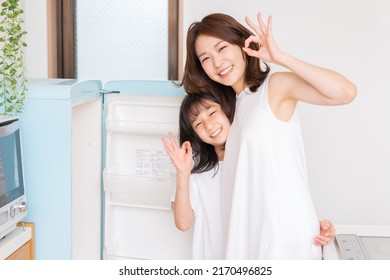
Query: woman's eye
[(221, 48), (204, 59), (213, 113), (198, 124)]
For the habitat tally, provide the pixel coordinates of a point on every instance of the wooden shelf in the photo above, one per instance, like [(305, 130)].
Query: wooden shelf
[(19, 244)]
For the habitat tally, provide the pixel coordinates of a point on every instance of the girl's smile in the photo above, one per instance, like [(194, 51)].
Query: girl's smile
[(212, 126), (216, 132)]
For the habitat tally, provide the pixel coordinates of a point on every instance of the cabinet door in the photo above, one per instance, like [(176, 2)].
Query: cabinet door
[(26, 251), (23, 253)]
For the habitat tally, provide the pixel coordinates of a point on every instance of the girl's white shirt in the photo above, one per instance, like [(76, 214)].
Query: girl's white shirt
[(267, 211), (205, 200)]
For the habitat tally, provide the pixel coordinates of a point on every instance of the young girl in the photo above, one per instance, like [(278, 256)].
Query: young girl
[(266, 204), (204, 128)]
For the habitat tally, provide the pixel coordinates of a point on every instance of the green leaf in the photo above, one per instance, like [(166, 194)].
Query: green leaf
[(12, 77)]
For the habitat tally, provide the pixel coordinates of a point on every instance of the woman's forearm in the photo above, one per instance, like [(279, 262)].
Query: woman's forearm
[(329, 83)]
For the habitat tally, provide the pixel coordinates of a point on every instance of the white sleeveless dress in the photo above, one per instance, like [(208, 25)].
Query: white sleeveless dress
[(266, 204)]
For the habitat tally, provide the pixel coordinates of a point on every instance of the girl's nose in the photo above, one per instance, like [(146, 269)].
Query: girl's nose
[(208, 125)]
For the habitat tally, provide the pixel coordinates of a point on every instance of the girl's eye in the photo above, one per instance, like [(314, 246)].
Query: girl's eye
[(221, 48), (198, 124), (213, 113)]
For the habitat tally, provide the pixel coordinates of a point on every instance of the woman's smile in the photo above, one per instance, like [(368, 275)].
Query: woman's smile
[(222, 62), (226, 71)]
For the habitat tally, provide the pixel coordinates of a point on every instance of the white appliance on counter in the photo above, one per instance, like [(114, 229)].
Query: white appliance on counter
[(359, 243)]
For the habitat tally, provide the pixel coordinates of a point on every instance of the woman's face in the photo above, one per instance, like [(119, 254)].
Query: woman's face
[(223, 62), (211, 125)]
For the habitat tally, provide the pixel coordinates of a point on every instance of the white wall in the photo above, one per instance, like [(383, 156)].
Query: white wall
[(348, 148)]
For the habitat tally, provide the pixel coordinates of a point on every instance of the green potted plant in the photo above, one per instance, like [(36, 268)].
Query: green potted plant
[(12, 72)]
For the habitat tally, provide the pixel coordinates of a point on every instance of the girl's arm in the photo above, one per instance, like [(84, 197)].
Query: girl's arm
[(327, 233), (182, 159), (305, 82)]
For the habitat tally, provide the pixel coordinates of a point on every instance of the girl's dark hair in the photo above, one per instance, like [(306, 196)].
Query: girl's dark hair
[(204, 155), (226, 28)]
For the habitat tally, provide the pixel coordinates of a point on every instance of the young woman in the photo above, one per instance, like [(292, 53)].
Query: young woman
[(204, 128), (266, 204)]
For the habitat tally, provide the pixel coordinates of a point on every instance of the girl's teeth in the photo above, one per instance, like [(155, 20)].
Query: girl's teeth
[(216, 133)]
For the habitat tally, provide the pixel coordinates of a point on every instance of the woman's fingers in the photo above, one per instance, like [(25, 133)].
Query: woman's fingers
[(251, 39), (254, 26), (263, 28)]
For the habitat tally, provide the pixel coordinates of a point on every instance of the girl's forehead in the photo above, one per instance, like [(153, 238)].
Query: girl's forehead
[(198, 107), (204, 104)]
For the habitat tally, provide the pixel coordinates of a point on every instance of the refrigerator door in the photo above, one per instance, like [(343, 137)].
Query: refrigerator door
[(139, 177), (61, 144)]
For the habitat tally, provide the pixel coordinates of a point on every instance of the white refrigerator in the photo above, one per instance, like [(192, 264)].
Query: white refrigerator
[(98, 180)]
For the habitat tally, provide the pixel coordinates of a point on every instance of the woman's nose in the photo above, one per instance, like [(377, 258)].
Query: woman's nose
[(218, 61)]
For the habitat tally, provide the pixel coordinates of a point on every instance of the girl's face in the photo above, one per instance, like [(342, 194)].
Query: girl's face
[(223, 62), (212, 126)]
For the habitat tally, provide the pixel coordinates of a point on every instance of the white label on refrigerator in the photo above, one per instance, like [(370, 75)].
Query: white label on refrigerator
[(154, 163)]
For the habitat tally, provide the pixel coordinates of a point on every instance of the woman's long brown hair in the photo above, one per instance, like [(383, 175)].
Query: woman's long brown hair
[(226, 28)]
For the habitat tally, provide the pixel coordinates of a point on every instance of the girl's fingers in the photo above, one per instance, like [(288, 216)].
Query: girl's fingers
[(167, 146), (321, 241), (170, 151), (187, 146), (323, 238), (172, 139)]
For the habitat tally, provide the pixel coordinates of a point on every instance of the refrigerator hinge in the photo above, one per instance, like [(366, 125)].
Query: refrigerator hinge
[(104, 92)]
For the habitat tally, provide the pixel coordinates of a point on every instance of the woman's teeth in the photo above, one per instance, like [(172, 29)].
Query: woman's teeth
[(227, 70)]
